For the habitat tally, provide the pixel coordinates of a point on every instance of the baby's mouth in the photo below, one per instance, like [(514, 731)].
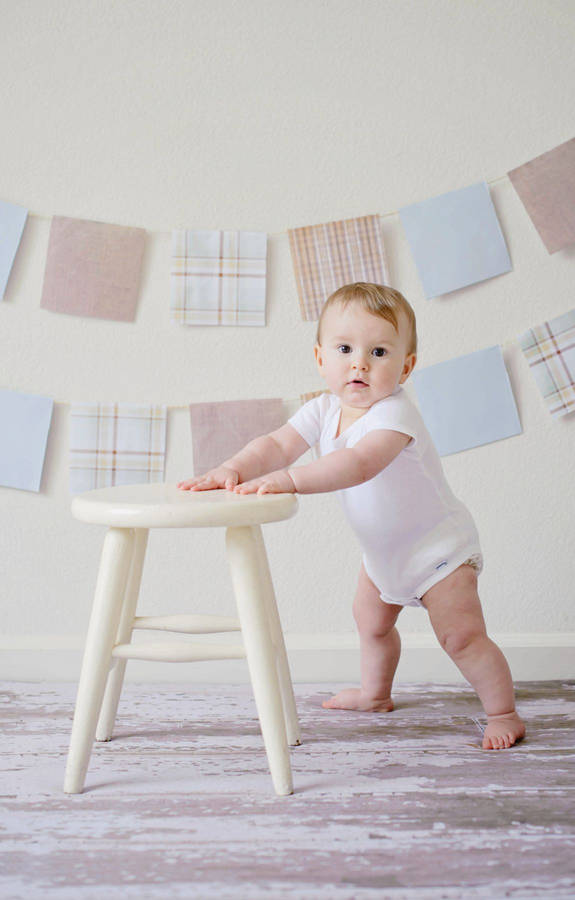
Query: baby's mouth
[(358, 381)]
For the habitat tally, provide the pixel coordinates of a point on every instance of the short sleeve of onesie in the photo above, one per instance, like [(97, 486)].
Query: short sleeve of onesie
[(393, 413), (308, 420)]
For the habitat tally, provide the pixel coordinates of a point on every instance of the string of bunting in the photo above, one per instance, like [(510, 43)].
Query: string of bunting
[(218, 277)]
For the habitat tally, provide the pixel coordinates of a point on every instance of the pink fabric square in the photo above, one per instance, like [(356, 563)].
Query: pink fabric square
[(93, 269), (546, 187), (220, 429)]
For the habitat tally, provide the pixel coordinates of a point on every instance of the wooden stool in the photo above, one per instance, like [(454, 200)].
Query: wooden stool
[(129, 512)]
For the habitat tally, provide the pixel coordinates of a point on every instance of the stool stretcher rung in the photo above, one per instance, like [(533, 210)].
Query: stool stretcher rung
[(188, 624), (174, 651)]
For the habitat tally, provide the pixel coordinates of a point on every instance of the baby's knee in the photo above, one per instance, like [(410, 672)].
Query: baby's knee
[(459, 638), (374, 622)]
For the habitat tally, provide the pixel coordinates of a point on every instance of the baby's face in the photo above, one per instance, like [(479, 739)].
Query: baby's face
[(362, 357)]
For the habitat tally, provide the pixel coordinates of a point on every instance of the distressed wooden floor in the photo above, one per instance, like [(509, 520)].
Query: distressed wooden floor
[(180, 803)]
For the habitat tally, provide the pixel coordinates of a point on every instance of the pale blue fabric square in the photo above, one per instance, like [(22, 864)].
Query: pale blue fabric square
[(467, 401), (12, 222), (24, 424), (455, 239)]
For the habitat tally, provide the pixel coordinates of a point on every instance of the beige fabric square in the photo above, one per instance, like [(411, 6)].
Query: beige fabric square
[(546, 187), (93, 269)]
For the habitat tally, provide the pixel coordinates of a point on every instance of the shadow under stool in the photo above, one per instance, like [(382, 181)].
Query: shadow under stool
[(129, 512)]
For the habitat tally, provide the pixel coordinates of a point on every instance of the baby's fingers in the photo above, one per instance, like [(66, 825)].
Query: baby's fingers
[(207, 483), (248, 487), (186, 485), (202, 483)]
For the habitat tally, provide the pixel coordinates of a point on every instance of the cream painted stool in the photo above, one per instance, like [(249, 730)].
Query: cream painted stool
[(129, 512)]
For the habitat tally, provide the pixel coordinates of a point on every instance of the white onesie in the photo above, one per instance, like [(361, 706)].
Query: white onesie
[(412, 528)]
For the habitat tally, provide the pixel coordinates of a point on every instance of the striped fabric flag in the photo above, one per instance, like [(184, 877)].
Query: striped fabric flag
[(218, 277), (93, 269), (220, 429), (550, 351), (325, 257), (546, 187), (116, 443)]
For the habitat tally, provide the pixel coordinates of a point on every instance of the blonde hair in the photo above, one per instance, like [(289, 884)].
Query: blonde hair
[(378, 299)]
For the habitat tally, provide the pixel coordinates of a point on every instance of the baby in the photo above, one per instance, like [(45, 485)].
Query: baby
[(419, 541)]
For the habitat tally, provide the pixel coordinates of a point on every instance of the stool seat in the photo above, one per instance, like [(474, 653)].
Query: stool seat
[(164, 506)]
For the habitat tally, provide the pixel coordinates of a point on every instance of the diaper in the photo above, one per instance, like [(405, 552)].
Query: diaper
[(445, 568), (476, 562)]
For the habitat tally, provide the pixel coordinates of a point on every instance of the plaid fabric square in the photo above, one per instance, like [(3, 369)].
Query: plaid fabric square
[(218, 277), (546, 187), (550, 351), (219, 430), (116, 443), (325, 257), (93, 269)]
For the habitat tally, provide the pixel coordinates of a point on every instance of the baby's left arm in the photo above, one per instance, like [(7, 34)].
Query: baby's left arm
[(335, 471)]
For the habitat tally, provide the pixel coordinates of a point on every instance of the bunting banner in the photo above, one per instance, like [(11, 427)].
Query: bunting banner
[(218, 277)]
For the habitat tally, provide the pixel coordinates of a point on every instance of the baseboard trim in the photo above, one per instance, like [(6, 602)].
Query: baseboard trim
[(320, 658)]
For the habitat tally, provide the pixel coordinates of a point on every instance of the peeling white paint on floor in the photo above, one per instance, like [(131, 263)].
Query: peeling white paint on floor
[(180, 803)]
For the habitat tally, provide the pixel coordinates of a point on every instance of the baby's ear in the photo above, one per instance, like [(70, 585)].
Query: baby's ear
[(410, 364), (317, 353)]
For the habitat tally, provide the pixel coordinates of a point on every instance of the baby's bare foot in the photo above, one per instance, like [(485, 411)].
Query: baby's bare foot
[(353, 698), (503, 731)]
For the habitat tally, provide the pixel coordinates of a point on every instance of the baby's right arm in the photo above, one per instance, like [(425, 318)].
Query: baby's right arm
[(264, 454)]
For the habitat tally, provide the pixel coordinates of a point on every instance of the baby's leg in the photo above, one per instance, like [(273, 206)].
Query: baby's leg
[(457, 619), (380, 647)]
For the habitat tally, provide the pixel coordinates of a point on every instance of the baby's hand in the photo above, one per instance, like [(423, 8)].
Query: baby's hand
[(220, 477), (278, 482)]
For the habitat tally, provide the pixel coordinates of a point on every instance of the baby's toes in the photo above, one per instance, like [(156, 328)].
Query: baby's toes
[(491, 742)]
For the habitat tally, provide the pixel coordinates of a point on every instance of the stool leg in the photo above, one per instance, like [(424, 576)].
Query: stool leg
[(110, 589), (286, 687), (250, 589), (105, 727)]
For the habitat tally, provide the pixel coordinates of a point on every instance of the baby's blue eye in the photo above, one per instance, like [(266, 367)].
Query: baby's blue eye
[(379, 351), (344, 348)]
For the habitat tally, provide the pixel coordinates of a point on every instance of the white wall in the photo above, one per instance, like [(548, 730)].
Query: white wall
[(266, 115)]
